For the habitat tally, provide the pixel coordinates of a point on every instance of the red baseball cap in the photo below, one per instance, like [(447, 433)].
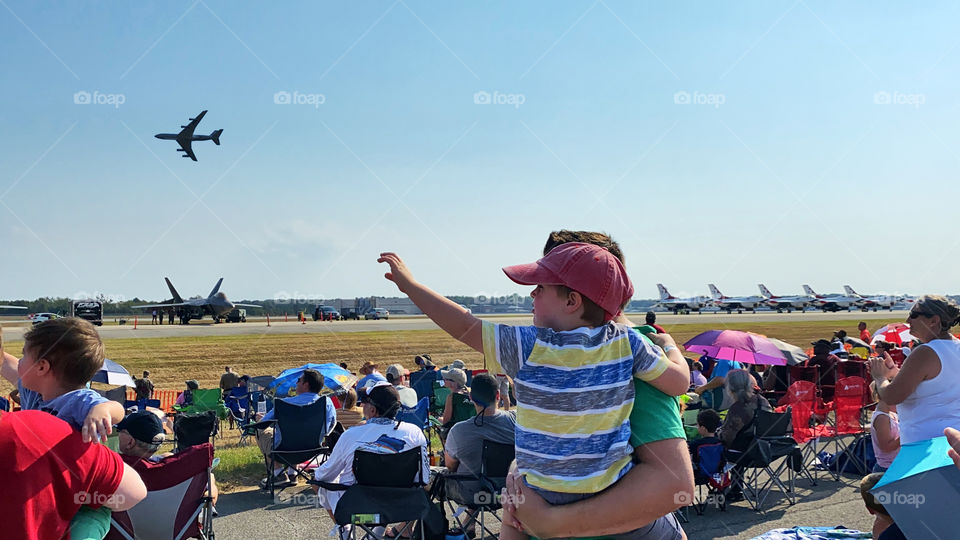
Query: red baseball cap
[(586, 268)]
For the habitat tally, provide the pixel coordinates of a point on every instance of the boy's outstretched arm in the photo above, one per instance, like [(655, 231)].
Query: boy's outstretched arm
[(8, 363), (449, 316), (100, 421)]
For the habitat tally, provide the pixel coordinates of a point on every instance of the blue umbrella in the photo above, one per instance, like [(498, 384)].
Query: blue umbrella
[(113, 373), (335, 379)]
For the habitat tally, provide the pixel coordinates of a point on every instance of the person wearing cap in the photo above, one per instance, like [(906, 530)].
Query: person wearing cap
[(186, 397), (456, 380), (309, 386), (370, 373), (425, 363), (397, 376), (580, 289), (381, 434)]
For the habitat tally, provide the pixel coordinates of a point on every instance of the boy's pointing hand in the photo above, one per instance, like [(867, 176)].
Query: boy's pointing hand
[(399, 273)]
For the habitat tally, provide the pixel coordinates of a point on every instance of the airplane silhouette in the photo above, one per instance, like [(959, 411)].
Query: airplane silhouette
[(186, 136)]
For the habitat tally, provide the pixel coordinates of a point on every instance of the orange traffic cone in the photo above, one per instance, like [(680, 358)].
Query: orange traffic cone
[(134, 322)]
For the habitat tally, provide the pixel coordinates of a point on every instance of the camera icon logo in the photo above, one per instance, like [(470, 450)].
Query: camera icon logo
[(882, 497), (481, 98), (282, 98), (881, 98), (81, 98), (82, 497), (683, 498), (681, 98), (483, 497)]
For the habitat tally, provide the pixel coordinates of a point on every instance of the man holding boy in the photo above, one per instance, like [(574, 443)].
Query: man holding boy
[(572, 345)]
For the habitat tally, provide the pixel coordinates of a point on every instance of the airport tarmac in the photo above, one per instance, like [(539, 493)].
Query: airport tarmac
[(13, 330)]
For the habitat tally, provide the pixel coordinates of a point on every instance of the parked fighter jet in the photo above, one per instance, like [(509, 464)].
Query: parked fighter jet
[(832, 302), (730, 303), (216, 305), (873, 302), (677, 305), (788, 303), (186, 136)]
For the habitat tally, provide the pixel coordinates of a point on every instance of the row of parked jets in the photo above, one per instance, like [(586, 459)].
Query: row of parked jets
[(827, 302)]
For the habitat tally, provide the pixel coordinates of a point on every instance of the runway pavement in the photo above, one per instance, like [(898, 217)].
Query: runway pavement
[(13, 330), (292, 516)]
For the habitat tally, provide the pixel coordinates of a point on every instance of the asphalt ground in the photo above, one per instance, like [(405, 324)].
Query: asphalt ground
[(292, 515), (14, 329)]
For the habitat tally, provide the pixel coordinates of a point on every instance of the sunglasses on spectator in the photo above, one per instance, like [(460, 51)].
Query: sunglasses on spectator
[(915, 314)]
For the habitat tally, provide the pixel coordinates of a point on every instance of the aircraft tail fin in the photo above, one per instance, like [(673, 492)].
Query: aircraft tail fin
[(215, 136), (176, 295), (849, 290), (664, 294), (215, 288), (714, 291), (764, 291), (807, 289)]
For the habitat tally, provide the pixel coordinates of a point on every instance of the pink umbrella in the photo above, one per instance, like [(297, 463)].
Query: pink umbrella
[(737, 346), (898, 333)]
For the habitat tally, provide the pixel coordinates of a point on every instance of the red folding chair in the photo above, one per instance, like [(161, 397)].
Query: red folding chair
[(849, 406), (177, 504), (804, 401)]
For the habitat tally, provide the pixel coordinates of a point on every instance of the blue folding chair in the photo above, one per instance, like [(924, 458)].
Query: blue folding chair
[(422, 382)]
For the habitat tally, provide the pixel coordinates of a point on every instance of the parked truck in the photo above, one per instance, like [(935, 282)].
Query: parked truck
[(90, 310)]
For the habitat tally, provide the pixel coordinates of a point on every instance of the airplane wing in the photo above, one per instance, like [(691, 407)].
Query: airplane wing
[(186, 148), (160, 305), (13, 307), (247, 305)]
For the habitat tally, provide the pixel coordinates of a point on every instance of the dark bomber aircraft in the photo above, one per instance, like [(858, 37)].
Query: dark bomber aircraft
[(186, 136), (216, 305)]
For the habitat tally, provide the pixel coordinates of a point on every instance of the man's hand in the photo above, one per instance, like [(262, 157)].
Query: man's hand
[(399, 273), (953, 437), (98, 423)]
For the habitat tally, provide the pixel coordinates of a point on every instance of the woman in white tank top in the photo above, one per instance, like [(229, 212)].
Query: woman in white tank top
[(926, 389)]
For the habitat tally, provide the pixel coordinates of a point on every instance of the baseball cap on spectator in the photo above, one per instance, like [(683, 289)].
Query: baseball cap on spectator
[(383, 396), (458, 364), (193, 385), (586, 268), (423, 360), (395, 372), (456, 375), (143, 426)]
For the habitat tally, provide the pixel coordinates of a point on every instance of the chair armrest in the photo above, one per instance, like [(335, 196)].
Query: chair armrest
[(329, 486), (262, 424)]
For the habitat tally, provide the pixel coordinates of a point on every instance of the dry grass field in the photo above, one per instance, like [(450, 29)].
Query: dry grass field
[(173, 360)]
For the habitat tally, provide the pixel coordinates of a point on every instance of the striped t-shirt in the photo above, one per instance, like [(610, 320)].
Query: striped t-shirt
[(574, 396)]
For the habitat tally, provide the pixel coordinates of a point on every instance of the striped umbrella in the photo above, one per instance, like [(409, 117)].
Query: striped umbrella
[(898, 333)]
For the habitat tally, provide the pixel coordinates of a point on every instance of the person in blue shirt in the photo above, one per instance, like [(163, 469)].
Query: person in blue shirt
[(370, 373), (712, 393), (309, 386)]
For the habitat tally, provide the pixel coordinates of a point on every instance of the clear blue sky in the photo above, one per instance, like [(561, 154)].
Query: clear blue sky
[(791, 169)]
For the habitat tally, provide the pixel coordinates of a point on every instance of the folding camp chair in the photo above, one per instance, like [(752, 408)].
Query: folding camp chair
[(711, 471), (177, 504), (422, 382), (243, 407), (4, 404), (205, 400), (768, 451), (852, 368), (141, 404), (389, 489), (440, 394), (302, 432), (479, 493), (194, 429), (804, 403), (420, 417), (849, 405)]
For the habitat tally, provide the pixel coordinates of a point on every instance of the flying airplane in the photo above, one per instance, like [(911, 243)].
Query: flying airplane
[(730, 303), (186, 136), (788, 303), (873, 302), (833, 302), (677, 305), (216, 305)]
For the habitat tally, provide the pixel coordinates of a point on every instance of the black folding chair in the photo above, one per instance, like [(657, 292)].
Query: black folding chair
[(389, 489), (479, 493), (756, 455), (194, 429), (302, 429)]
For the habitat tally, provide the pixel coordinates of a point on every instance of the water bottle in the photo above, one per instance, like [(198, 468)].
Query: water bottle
[(261, 407)]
